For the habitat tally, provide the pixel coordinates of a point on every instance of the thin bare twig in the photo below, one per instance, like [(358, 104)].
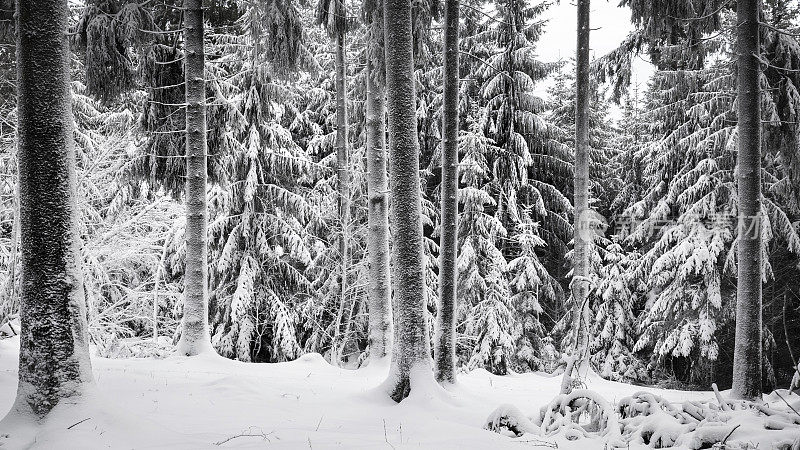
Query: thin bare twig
[(729, 434), (787, 403), (78, 423), (248, 433)]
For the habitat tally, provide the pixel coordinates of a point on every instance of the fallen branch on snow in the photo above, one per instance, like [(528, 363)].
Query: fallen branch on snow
[(649, 419), (248, 433), (77, 423), (566, 412)]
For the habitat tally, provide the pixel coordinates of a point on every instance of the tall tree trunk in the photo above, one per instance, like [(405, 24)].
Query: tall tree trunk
[(445, 346), (195, 337), (747, 349), (54, 355), (380, 312), (343, 184), (583, 233), (411, 354)]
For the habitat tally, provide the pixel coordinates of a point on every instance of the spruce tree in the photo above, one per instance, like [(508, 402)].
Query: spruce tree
[(195, 336), (332, 14), (114, 37), (54, 355), (613, 328), (583, 234), (445, 348), (260, 229), (747, 351), (380, 307), (687, 215), (411, 362), (604, 173), (515, 171)]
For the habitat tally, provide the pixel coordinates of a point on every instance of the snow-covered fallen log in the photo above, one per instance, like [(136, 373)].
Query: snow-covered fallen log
[(580, 414), (509, 419), (646, 418)]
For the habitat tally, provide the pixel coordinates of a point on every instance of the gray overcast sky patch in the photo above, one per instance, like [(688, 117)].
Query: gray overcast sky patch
[(611, 25)]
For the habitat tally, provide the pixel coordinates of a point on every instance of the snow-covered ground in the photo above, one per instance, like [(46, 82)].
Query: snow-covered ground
[(205, 402)]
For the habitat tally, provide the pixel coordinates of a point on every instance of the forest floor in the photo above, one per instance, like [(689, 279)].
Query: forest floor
[(211, 402)]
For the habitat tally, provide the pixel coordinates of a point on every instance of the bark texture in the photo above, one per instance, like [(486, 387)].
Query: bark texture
[(747, 349), (380, 313), (343, 186), (411, 354), (54, 355), (445, 342), (195, 337), (583, 232)]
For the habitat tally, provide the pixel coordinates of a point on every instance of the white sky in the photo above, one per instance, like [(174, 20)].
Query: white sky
[(610, 24)]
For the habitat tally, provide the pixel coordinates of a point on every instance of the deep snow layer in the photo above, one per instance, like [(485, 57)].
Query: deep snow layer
[(197, 403)]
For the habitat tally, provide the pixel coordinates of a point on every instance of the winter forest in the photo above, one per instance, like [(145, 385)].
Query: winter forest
[(399, 223)]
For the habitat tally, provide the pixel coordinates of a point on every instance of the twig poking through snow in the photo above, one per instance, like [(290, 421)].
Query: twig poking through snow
[(729, 434), (248, 433), (78, 423), (787, 403), (385, 437)]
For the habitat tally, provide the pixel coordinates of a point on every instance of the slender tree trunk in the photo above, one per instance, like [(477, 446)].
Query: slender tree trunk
[(786, 331), (747, 350), (10, 305), (380, 312), (445, 346), (583, 232), (343, 184), (411, 355), (54, 355), (157, 279), (195, 337)]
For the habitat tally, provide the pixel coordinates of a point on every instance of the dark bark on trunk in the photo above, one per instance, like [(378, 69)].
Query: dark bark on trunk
[(583, 232), (380, 312), (195, 337), (411, 355), (54, 356), (445, 346), (343, 185), (747, 351)]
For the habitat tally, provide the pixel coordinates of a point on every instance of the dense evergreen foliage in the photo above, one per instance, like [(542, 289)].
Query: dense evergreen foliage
[(289, 268)]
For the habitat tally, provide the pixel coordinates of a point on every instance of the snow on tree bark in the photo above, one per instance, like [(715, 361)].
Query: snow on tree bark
[(343, 184), (195, 336), (747, 348), (380, 313), (54, 355), (583, 216), (445, 342), (411, 352)]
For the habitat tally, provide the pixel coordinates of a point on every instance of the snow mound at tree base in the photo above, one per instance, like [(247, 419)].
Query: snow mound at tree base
[(90, 421)]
